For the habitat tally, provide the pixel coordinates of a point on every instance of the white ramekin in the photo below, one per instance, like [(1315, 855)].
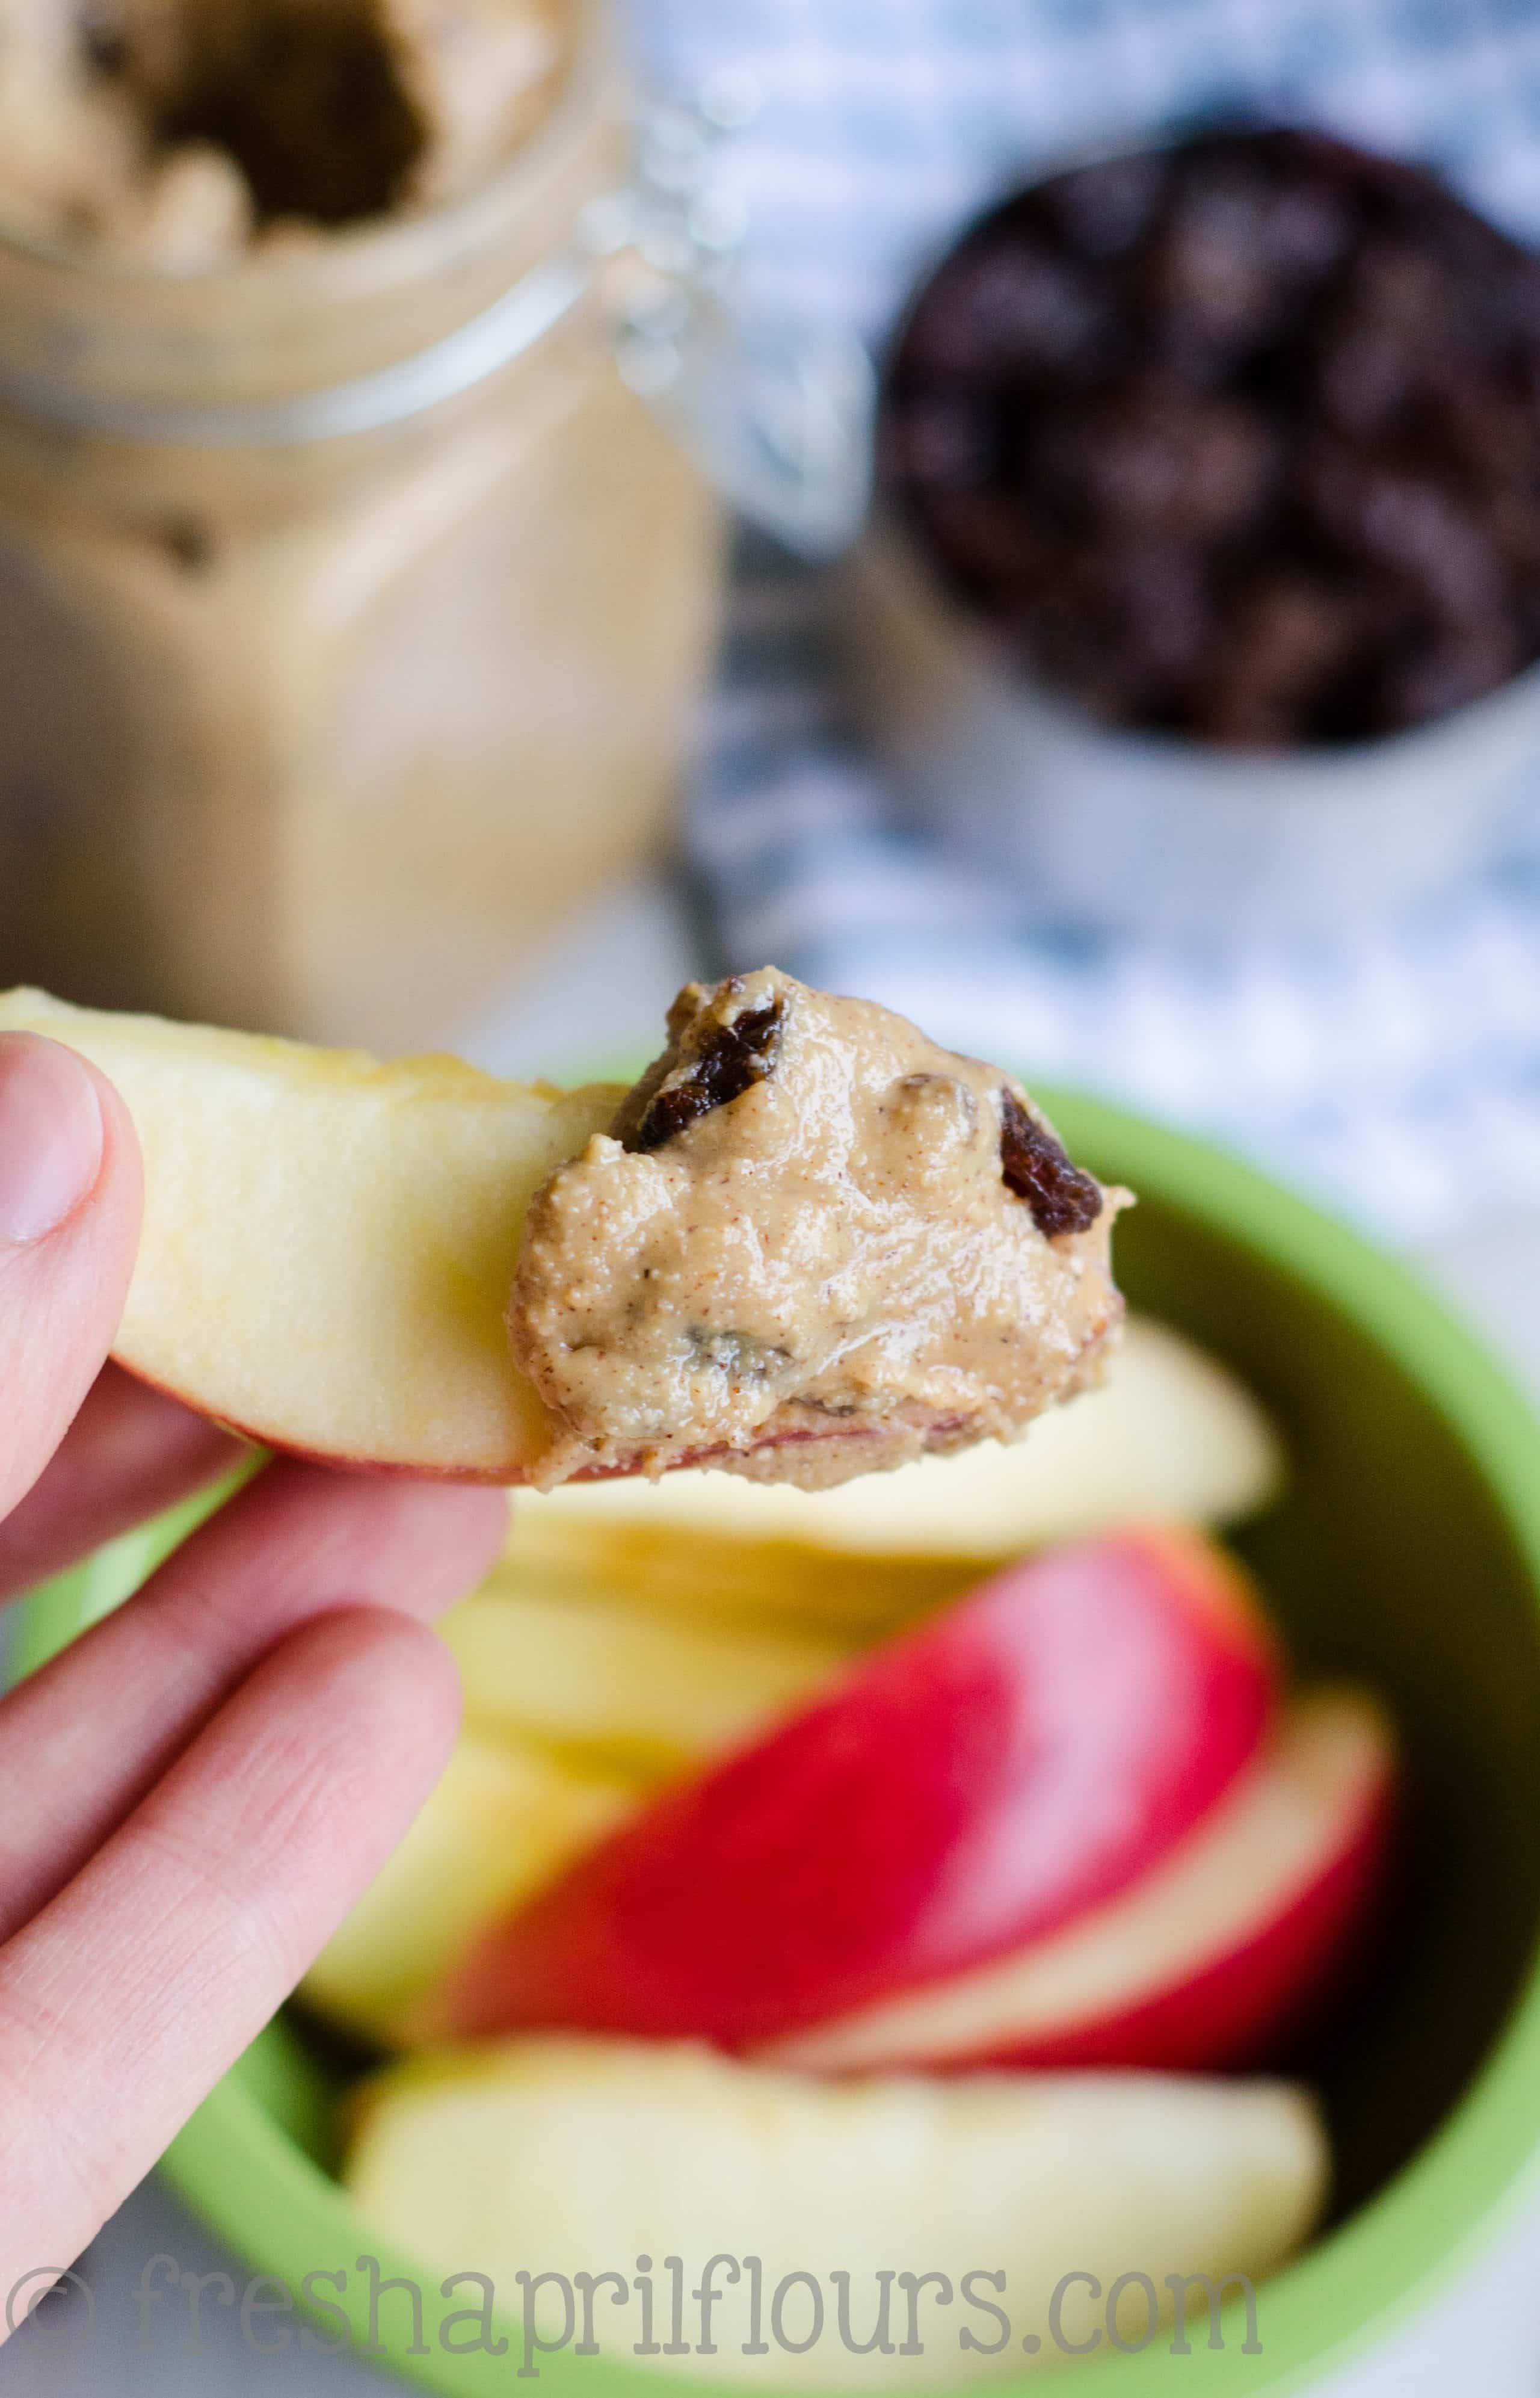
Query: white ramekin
[(1098, 826)]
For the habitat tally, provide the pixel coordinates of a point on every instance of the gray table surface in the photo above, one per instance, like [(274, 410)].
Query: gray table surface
[(1482, 2332)]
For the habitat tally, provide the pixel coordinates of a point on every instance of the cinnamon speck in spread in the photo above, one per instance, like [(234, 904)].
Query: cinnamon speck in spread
[(812, 1243)]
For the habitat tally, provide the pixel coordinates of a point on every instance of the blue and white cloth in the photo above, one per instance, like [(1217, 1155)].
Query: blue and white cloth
[(1398, 1075)]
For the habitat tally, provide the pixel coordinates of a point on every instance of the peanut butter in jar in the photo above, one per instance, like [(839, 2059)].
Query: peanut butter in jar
[(352, 608)]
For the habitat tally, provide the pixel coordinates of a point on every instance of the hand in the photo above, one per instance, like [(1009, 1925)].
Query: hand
[(192, 1796)]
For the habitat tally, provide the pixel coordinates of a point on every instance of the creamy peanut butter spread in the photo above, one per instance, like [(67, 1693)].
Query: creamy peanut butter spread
[(180, 134), (812, 1243)]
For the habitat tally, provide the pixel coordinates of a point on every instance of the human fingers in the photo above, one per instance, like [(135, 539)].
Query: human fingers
[(84, 1739), (124, 2001)]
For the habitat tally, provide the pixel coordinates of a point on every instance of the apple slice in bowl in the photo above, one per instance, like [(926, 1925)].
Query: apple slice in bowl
[(970, 1785), (990, 2199), (1232, 1942)]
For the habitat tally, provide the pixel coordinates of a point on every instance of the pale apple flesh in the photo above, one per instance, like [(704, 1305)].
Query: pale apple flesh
[(570, 2155), (1227, 1946), (968, 1786), (640, 1690)]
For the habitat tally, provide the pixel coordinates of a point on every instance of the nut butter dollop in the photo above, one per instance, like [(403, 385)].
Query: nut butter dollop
[(811, 1244)]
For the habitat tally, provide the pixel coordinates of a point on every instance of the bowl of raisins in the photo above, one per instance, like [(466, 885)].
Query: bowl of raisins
[(1203, 589)]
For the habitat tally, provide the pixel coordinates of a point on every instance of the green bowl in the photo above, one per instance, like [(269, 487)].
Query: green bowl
[(1406, 1552)]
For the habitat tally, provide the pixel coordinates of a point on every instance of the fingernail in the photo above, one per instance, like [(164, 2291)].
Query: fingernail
[(51, 1136)]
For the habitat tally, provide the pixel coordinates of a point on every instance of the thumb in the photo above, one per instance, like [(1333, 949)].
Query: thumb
[(70, 1198)]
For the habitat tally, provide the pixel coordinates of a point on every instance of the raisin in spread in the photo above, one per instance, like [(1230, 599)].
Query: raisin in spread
[(812, 1243)]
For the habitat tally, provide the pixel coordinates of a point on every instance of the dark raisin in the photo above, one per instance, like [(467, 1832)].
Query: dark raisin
[(1153, 461), (1038, 1170), (104, 41), (187, 544), (679, 1090), (1120, 625), (1290, 637), (1102, 209), (1451, 665), (1011, 307), (1378, 516)]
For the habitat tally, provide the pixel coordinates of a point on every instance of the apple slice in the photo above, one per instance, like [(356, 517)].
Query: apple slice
[(653, 1694), (974, 1784), (1222, 1946), (328, 1243), (749, 1586), (1033, 2194), (414, 1266), (503, 1818)]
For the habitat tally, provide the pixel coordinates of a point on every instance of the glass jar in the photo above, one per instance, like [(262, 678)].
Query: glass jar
[(352, 605)]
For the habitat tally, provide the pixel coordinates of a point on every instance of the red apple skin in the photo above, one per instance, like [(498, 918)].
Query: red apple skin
[(1257, 1976), (1245, 2009), (968, 1787)]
